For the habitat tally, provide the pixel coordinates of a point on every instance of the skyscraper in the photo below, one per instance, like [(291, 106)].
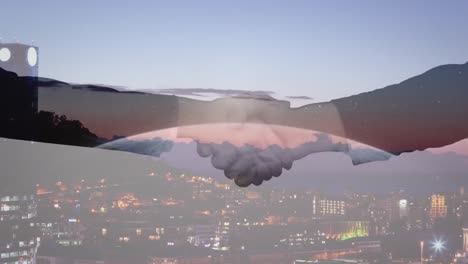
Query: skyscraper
[(403, 208), (332, 207), (465, 238), (438, 206), (19, 238), (19, 100)]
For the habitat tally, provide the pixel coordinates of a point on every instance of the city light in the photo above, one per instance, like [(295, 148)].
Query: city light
[(438, 245)]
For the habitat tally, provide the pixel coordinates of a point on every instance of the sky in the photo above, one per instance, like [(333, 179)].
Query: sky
[(321, 49)]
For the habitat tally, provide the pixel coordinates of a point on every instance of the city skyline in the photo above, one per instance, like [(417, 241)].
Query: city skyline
[(233, 132), (206, 216)]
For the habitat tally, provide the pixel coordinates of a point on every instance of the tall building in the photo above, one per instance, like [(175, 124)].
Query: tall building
[(223, 233), (418, 214), (396, 206), (19, 238), (202, 235), (332, 207), (403, 208), (465, 238), (438, 207), (19, 100)]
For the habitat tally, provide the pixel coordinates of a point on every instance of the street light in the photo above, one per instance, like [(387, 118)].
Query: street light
[(422, 251), (438, 245)]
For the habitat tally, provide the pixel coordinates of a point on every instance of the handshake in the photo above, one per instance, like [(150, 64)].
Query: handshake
[(248, 147), (248, 164), (257, 152)]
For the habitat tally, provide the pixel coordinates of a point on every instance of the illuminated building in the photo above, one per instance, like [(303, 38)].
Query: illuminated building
[(397, 206), (438, 207), (202, 235), (343, 230), (314, 205), (403, 208), (465, 238), (418, 217), (323, 231), (65, 233), (19, 238), (330, 207), (274, 220), (223, 234)]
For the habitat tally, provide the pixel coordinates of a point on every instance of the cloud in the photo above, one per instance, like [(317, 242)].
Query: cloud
[(301, 97), (200, 91)]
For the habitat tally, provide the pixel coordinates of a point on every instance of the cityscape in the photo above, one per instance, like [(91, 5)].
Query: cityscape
[(248, 132), (171, 216)]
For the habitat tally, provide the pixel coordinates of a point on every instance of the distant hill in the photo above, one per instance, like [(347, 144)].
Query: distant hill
[(429, 110), (426, 111), (20, 118)]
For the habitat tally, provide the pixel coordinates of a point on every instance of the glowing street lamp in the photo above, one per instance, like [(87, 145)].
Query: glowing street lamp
[(438, 245), (422, 251)]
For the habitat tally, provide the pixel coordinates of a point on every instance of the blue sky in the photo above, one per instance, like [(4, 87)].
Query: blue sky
[(322, 49)]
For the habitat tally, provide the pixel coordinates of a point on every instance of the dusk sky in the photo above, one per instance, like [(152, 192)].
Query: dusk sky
[(322, 49)]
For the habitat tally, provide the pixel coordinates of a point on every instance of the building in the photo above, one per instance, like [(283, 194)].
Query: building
[(64, 233), (462, 256), (343, 230), (465, 238), (332, 207), (19, 238), (19, 101), (223, 233), (418, 217), (397, 206), (403, 208), (202, 235), (438, 207)]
